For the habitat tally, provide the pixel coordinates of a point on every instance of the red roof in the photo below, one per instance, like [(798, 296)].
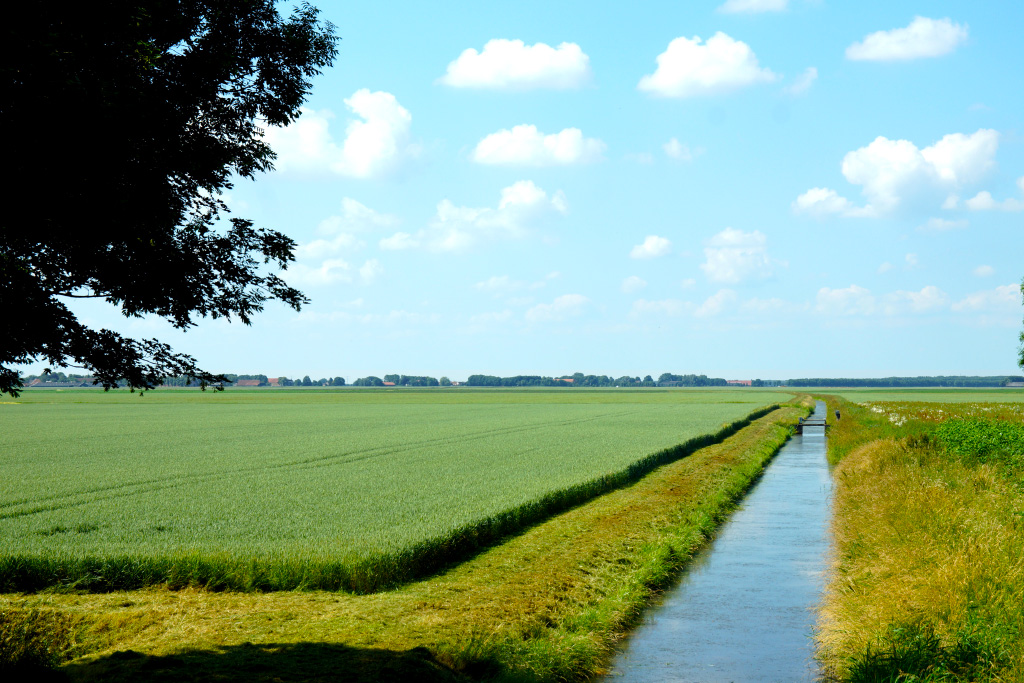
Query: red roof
[(247, 383)]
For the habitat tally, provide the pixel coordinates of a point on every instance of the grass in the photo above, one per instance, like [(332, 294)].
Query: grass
[(929, 550), (548, 604), (354, 490)]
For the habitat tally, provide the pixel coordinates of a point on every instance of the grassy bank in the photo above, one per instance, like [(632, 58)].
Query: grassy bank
[(548, 604), (929, 543)]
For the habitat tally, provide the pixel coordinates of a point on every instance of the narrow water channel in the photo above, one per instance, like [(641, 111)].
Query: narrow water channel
[(744, 610)]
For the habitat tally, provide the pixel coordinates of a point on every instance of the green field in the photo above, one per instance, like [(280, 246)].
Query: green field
[(942, 395), (275, 489)]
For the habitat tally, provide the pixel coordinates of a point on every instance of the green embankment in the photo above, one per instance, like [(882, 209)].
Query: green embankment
[(929, 543), (353, 490), (548, 604)]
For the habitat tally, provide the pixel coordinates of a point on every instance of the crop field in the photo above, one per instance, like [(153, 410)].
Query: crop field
[(356, 489), (929, 395)]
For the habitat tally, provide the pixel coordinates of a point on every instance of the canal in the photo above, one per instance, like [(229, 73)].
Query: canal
[(744, 610)]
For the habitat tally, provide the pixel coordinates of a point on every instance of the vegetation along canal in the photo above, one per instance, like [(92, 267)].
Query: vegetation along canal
[(744, 611)]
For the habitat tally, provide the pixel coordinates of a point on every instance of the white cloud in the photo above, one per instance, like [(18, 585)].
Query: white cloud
[(983, 201), (669, 307), (984, 271), (1003, 298), (565, 306), (370, 271), (803, 82), (459, 228), (950, 202), (502, 285), (679, 151), (942, 225), (652, 246), (633, 284), (355, 217), (525, 145), (773, 306), (911, 260), (893, 173), (329, 271), (733, 256), (858, 301), (512, 65), (752, 6), (885, 268), (321, 248), (716, 304), (822, 201), (375, 142), (902, 302), (688, 68), (852, 300), (924, 37)]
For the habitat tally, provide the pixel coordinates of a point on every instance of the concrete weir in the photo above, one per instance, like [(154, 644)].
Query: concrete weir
[(744, 610)]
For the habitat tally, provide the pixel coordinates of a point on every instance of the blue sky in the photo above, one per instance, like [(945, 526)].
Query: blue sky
[(760, 188)]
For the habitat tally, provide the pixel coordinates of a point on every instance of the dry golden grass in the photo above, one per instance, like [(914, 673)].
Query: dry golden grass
[(549, 604), (923, 541)]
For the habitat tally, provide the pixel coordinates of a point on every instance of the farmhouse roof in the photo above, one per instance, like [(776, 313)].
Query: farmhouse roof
[(247, 383)]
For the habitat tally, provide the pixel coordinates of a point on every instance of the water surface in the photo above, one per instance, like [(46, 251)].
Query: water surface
[(744, 611)]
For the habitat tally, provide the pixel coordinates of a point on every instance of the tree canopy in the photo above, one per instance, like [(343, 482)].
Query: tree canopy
[(125, 121)]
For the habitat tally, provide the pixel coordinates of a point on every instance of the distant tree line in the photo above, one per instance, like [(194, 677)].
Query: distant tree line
[(932, 381)]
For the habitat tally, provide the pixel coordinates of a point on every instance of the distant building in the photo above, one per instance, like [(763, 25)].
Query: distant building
[(247, 383), (567, 380), (274, 381), (739, 382), (1015, 385), (389, 384)]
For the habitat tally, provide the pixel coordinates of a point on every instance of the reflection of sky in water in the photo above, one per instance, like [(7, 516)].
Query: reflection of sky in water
[(744, 610)]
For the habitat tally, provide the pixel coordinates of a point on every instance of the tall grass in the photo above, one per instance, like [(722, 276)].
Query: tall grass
[(308, 570), (929, 547)]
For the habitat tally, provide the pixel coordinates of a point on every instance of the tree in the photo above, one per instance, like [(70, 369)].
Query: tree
[(126, 121), (306, 381)]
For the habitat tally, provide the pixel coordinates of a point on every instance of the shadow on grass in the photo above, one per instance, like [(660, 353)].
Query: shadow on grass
[(286, 663), (279, 663)]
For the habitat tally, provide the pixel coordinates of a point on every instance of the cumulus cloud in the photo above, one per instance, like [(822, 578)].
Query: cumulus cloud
[(803, 82), (822, 201), (525, 145), (734, 256), (513, 65), (752, 6), (652, 246), (893, 173), (503, 285), (565, 306), (355, 217), (924, 37), (858, 301), (716, 304), (941, 225), (984, 271), (375, 142), (459, 228), (983, 201), (333, 271), (633, 284), (852, 300), (689, 68), (1006, 298), (679, 151)]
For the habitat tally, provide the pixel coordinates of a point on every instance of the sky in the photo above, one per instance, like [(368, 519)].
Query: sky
[(745, 189)]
